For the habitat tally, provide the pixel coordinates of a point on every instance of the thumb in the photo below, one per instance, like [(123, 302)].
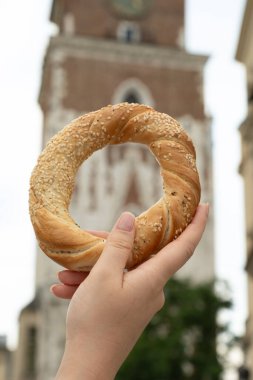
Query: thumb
[(118, 245)]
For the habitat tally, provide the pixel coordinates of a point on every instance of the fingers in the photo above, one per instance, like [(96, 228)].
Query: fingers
[(70, 282), (118, 246), (172, 257), (69, 277), (63, 291)]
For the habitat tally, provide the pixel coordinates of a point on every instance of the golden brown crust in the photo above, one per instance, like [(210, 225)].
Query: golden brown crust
[(52, 183)]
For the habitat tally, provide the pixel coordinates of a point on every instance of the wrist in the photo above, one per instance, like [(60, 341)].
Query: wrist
[(79, 363)]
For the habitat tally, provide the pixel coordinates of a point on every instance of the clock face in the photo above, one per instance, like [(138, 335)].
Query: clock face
[(131, 8)]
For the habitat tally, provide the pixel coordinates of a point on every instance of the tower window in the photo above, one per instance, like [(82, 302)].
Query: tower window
[(132, 90), (128, 32), (132, 97)]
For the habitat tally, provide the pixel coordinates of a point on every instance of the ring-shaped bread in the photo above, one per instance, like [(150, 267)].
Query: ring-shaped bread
[(52, 183)]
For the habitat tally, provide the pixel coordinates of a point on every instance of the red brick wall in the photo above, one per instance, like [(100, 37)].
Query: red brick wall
[(161, 25), (91, 85)]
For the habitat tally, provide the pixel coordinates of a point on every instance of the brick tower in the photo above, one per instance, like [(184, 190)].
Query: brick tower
[(110, 51)]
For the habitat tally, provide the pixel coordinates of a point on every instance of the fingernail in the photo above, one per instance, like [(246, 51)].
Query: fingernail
[(126, 222)]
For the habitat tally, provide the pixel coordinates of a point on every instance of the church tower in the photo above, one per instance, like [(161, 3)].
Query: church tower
[(106, 52)]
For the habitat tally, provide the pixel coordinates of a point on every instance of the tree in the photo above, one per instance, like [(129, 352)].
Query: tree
[(181, 340)]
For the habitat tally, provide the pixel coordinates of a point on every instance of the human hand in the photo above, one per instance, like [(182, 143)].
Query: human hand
[(110, 308)]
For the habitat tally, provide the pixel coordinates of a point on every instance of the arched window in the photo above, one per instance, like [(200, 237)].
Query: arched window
[(132, 97), (128, 32), (133, 90)]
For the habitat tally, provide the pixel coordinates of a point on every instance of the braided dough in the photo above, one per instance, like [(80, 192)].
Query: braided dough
[(52, 183)]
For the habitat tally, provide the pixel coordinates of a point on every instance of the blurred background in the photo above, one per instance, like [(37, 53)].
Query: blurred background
[(192, 59)]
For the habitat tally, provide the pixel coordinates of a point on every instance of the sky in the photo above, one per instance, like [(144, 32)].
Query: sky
[(212, 28)]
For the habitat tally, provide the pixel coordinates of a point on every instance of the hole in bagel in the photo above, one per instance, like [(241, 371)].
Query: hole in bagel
[(117, 178)]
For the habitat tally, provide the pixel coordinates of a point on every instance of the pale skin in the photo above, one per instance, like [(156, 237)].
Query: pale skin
[(109, 307)]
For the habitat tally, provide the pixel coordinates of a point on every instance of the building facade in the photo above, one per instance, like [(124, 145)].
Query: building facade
[(107, 52), (245, 55), (5, 360)]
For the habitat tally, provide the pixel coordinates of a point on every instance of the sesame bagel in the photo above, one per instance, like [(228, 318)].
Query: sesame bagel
[(52, 183)]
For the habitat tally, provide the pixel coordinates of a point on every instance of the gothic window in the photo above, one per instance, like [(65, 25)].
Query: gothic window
[(132, 90), (128, 32), (131, 97)]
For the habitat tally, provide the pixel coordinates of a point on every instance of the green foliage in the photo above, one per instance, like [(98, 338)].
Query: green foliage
[(180, 342)]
